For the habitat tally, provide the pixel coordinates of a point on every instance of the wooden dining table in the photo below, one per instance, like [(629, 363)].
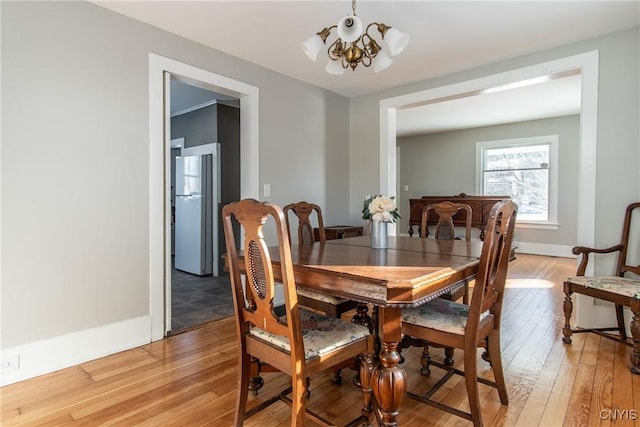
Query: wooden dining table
[(410, 272)]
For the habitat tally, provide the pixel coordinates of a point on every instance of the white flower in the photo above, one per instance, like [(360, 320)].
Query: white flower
[(380, 208)]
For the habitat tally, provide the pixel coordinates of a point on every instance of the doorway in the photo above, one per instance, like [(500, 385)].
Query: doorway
[(160, 267), (205, 175)]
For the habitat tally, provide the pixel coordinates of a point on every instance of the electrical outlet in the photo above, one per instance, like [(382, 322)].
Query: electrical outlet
[(10, 363)]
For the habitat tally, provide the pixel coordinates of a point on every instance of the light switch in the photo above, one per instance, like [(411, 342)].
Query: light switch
[(406, 188), (267, 190)]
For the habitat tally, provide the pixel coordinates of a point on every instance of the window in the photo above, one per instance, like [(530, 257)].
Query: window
[(526, 170)]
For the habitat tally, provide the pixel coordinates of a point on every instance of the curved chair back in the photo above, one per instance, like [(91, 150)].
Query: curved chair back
[(303, 211), (444, 227)]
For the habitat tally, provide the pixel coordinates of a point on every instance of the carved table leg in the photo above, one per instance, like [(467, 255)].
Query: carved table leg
[(635, 336), (568, 309), (389, 380)]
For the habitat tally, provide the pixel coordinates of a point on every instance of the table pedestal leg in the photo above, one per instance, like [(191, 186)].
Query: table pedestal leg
[(389, 380)]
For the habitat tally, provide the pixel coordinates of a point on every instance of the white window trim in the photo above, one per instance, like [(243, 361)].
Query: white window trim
[(552, 221)]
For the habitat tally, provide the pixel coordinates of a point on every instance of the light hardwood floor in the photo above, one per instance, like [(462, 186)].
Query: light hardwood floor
[(190, 378)]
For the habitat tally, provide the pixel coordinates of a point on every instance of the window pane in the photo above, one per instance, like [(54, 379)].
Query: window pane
[(528, 188), (535, 156)]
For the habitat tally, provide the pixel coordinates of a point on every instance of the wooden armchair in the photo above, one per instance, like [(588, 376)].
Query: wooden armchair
[(301, 342), (619, 289), (468, 327), (328, 304)]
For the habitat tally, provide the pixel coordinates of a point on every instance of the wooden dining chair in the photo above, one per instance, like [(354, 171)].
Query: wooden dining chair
[(622, 289), (303, 211), (300, 343), (468, 327), (445, 229)]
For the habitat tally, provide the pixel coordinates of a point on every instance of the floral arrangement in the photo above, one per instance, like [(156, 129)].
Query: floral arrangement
[(380, 208)]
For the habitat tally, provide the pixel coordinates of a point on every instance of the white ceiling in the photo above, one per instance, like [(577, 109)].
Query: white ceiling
[(446, 36), (558, 97)]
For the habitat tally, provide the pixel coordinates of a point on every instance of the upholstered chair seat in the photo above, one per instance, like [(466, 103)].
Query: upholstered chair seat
[(617, 285), (440, 314), (321, 334)]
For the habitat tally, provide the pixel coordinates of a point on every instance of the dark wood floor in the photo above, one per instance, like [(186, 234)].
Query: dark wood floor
[(190, 378)]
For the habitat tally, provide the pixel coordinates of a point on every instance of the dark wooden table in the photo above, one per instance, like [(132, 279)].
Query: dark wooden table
[(410, 272)]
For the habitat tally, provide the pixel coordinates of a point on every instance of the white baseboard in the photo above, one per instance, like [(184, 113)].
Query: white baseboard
[(604, 316), (544, 249), (52, 354)]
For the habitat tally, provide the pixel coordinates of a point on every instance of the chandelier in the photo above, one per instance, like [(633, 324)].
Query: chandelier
[(353, 47)]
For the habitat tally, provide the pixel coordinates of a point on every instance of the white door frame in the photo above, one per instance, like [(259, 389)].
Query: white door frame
[(588, 64), (160, 171)]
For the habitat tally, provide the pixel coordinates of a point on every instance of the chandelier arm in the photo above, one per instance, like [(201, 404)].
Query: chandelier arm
[(367, 57), (325, 33), (336, 50), (382, 28), (370, 46)]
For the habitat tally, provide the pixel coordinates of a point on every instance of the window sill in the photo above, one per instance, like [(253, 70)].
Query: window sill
[(537, 225)]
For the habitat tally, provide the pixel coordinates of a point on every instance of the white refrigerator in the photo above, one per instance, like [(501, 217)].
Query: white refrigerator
[(196, 213)]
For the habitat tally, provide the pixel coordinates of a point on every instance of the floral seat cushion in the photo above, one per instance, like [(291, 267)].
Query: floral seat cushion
[(439, 314), (320, 296), (321, 334), (616, 285)]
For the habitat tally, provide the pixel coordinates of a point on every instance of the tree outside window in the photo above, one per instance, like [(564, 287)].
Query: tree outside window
[(520, 169)]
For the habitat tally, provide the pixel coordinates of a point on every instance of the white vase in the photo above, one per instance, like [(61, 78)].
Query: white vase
[(378, 235)]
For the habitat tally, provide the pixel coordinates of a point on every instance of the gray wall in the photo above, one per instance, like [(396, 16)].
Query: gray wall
[(618, 138), (75, 160), (444, 164)]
